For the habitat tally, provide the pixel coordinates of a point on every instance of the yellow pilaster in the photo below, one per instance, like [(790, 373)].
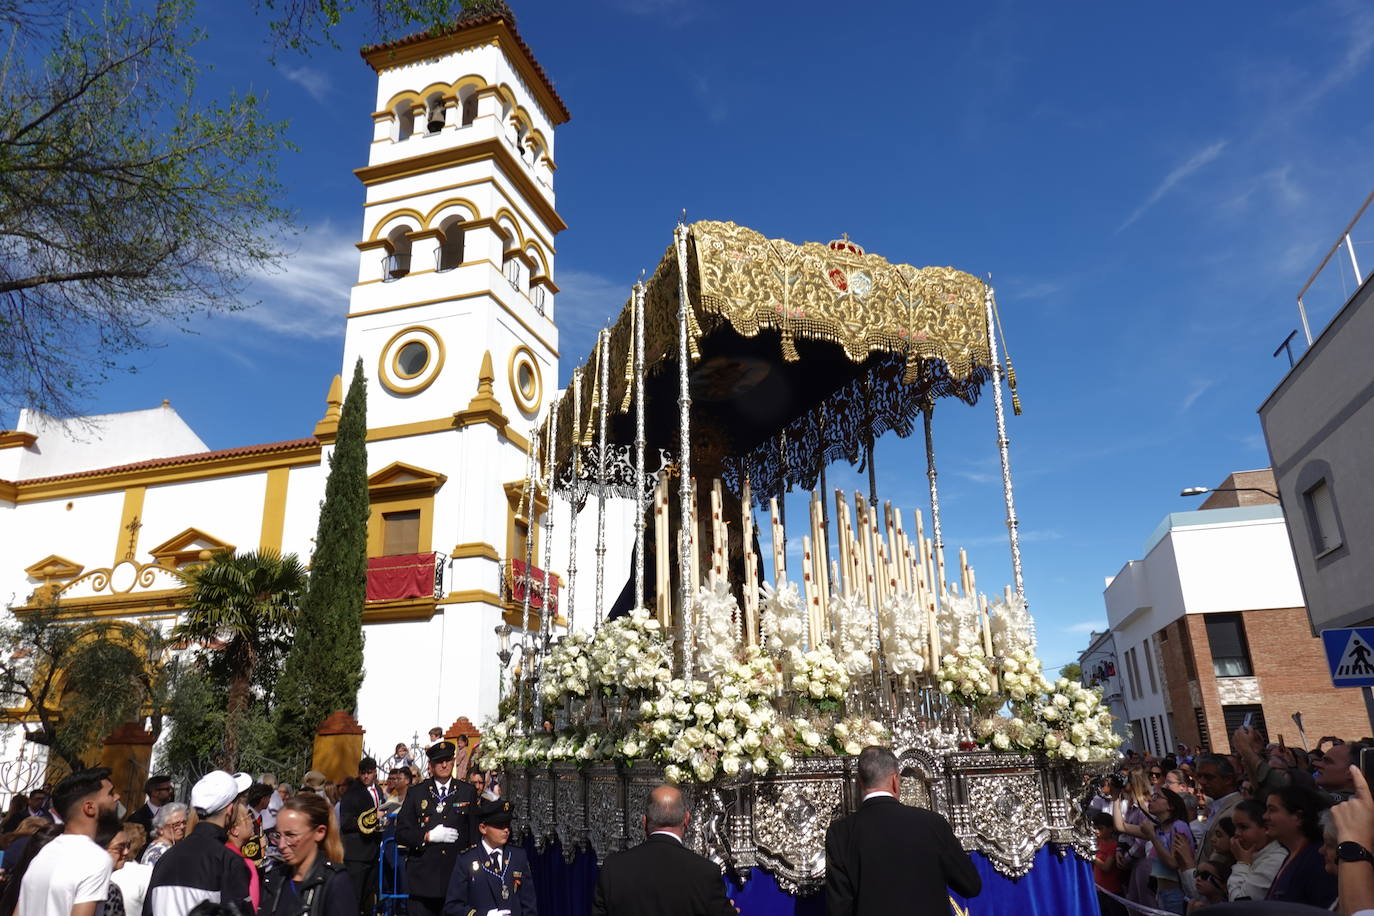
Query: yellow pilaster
[(274, 509), (130, 522)]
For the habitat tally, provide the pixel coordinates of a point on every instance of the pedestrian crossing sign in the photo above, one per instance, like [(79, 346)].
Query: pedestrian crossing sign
[(1350, 655)]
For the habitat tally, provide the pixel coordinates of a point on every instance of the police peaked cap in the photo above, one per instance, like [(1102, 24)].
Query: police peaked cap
[(441, 750), (496, 813)]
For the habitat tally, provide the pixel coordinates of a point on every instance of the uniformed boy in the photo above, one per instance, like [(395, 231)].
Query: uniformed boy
[(436, 822), (493, 877)]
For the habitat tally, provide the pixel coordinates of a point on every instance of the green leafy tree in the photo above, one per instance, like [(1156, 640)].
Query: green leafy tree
[(243, 607), (67, 685), (1072, 671), (325, 666), (129, 200), (304, 24)]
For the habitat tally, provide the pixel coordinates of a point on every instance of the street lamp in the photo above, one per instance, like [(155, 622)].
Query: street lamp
[(1199, 491)]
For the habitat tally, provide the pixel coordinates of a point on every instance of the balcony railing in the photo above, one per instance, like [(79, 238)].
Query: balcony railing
[(396, 578), (517, 579)]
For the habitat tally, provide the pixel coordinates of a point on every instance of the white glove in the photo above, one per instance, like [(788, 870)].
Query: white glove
[(442, 835), (498, 912)]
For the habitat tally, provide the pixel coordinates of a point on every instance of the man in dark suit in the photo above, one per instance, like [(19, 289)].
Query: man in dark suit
[(661, 877), (492, 878), (437, 821), (362, 832), (890, 858), (158, 790)]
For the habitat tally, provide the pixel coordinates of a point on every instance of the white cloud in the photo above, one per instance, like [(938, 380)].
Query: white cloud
[(308, 295), (587, 302), (1086, 626), (1181, 172), (315, 82), (1195, 391)]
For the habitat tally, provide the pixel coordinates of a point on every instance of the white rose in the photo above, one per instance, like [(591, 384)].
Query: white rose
[(1051, 742), (852, 748), (1083, 755), (672, 772), (761, 766), (810, 738), (726, 729), (841, 730), (750, 742), (705, 772), (1001, 741), (704, 712), (946, 687), (729, 765), (1061, 701), (785, 762)]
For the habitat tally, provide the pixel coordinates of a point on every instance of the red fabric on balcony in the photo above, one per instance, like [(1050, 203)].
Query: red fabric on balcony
[(407, 576), (535, 578)]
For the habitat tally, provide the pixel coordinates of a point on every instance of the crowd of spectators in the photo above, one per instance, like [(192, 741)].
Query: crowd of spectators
[(1180, 833)]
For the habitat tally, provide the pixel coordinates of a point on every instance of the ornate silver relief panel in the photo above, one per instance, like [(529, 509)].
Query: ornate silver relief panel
[(791, 815)]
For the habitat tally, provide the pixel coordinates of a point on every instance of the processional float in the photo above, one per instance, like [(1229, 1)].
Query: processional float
[(735, 374)]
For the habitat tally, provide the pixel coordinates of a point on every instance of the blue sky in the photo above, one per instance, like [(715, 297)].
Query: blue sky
[(1149, 187)]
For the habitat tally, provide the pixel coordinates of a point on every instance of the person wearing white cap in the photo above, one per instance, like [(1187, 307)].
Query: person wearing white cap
[(201, 867)]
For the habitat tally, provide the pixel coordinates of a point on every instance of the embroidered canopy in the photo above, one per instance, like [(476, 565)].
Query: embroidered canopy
[(799, 354)]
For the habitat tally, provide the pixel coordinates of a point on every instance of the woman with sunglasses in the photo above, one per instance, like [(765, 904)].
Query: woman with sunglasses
[(314, 883)]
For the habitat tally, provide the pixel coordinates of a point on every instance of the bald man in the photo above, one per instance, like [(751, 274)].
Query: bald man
[(661, 876)]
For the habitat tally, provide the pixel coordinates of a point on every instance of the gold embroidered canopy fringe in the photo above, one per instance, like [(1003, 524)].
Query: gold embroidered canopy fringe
[(859, 344)]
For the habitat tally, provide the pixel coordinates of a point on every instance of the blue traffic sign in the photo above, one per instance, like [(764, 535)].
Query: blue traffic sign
[(1350, 655)]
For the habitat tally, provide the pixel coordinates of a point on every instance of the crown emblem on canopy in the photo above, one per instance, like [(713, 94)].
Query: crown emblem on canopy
[(844, 244)]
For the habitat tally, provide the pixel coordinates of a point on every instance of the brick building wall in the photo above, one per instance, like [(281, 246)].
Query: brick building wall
[(1290, 675)]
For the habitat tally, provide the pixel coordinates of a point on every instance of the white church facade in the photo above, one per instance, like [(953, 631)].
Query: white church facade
[(453, 316)]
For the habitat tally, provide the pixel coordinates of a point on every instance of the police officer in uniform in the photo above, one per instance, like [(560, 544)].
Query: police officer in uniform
[(361, 828), (492, 878), (435, 824)]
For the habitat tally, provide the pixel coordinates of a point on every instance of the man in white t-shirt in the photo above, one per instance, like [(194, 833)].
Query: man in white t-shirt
[(71, 875)]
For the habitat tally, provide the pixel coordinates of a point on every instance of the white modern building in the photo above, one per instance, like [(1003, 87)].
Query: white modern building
[(453, 317), (1209, 626)]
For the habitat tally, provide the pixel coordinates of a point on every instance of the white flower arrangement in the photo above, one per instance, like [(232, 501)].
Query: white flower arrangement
[(902, 623), (699, 732), (817, 677), (961, 624), (630, 653), (568, 668), (782, 618), (854, 639), (965, 677), (852, 734), (1077, 724), (715, 614), (1012, 628), (1020, 676)]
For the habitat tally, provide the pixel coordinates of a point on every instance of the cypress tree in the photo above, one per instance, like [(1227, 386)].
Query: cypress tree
[(324, 669)]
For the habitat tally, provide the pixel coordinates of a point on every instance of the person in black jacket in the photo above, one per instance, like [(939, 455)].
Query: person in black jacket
[(159, 792), (492, 878), (201, 867), (437, 822), (888, 857), (362, 832), (314, 881), (661, 876)]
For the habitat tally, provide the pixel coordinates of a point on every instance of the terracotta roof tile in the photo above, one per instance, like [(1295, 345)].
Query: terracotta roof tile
[(470, 22), (174, 460)]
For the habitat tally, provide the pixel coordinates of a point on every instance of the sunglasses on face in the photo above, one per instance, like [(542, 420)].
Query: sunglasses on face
[(1156, 774)]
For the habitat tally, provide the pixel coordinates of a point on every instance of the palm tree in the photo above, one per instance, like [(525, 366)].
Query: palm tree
[(240, 604)]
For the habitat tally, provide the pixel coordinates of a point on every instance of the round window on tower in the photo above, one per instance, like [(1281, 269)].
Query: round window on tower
[(526, 382), (411, 360)]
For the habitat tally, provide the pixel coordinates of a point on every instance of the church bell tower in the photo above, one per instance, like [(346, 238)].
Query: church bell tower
[(453, 317)]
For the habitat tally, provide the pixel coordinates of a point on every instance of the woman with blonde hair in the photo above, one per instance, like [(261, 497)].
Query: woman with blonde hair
[(314, 883), (1131, 806)]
